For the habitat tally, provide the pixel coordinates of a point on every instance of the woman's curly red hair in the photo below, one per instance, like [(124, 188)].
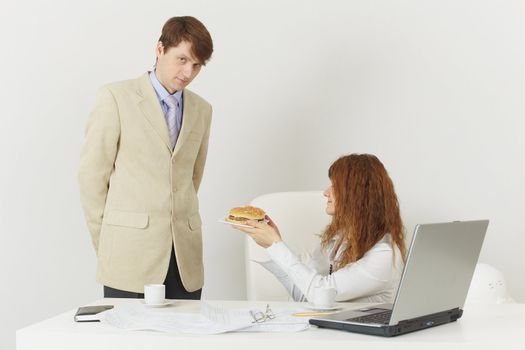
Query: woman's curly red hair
[(366, 208)]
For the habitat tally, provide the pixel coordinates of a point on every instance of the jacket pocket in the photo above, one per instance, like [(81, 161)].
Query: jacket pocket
[(195, 222), (126, 218)]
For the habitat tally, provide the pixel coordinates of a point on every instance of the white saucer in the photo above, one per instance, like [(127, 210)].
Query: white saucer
[(316, 308), (222, 221), (166, 303)]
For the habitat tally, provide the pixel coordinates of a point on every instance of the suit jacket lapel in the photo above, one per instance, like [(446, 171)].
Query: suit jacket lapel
[(188, 119), (150, 106)]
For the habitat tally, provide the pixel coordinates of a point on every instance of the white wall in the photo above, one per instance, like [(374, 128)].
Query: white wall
[(434, 88)]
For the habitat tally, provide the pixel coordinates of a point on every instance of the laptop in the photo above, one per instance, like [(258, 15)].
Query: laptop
[(433, 287)]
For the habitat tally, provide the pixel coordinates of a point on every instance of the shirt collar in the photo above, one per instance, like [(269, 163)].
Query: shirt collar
[(162, 93)]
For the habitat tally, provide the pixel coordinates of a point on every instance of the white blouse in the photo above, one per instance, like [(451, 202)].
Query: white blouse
[(373, 278)]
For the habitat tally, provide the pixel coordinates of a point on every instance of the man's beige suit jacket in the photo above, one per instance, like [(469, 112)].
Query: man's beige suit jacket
[(139, 196)]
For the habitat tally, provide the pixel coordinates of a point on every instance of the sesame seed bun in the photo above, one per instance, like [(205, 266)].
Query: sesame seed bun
[(240, 215)]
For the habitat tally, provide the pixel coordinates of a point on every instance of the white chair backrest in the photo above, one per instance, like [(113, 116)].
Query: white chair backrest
[(488, 286), (301, 218)]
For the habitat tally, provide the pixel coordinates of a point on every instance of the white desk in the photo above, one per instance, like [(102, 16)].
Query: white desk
[(494, 327)]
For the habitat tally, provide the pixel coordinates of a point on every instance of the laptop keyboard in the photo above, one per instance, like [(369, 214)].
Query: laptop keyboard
[(378, 318)]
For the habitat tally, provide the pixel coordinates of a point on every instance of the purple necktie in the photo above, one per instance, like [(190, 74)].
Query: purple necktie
[(171, 119)]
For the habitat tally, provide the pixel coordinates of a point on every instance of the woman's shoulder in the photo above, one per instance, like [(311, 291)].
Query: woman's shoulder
[(383, 253), (381, 261), (385, 244)]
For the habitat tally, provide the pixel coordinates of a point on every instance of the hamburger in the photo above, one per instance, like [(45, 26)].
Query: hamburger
[(240, 215)]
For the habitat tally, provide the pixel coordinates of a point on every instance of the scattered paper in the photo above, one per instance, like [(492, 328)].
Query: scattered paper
[(211, 320)]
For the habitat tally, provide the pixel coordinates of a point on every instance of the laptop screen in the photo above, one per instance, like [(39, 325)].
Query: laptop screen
[(439, 268)]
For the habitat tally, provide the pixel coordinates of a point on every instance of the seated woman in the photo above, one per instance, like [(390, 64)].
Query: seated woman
[(362, 250)]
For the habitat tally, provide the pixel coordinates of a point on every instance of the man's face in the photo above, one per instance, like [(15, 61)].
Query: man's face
[(176, 66)]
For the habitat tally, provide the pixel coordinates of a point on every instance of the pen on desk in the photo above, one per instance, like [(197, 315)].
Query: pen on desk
[(300, 314)]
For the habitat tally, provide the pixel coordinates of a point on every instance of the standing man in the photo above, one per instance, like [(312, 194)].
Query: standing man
[(141, 167)]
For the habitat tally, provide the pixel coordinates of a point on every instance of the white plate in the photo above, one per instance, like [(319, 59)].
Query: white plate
[(222, 221), (166, 303), (316, 308)]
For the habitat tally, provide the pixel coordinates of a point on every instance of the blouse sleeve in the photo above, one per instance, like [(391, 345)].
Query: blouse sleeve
[(284, 279), (367, 276)]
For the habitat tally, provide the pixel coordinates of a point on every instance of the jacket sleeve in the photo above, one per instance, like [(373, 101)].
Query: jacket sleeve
[(97, 160), (198, 168)]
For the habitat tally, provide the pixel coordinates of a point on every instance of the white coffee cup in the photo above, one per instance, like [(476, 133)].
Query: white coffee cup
[(324, 297), (154, 294)]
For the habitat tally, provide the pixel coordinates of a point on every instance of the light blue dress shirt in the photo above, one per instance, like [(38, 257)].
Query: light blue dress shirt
[(162, 93)]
